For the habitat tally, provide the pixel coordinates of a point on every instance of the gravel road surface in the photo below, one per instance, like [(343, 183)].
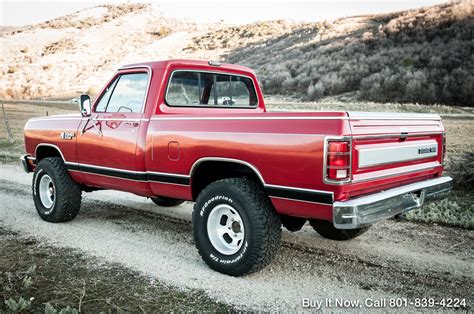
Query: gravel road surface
[(392, 260)]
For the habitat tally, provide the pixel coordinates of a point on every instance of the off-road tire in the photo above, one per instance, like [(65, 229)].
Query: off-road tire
[(327, 230), (68, 194), (166, 201), (261, 223)]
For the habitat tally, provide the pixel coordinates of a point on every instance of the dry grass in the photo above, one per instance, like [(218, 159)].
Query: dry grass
[(113, 12), (62, 45), (17, 116), (243, 35)]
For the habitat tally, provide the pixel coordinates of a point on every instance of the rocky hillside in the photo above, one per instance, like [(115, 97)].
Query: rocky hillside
[(423, 55)]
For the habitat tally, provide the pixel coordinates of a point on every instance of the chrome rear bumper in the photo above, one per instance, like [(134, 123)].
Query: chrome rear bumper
[(366, 210)]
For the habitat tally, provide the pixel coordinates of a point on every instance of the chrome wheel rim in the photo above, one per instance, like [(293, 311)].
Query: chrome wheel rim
[(225, 229), (47, 191)]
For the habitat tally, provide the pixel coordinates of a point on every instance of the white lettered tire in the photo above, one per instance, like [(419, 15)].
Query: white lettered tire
[(57, 198), (235, 226)]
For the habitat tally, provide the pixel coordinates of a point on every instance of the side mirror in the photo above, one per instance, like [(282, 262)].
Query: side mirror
[(85, 105)]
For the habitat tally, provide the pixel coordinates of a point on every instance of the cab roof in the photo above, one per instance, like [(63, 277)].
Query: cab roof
[(187, 62)]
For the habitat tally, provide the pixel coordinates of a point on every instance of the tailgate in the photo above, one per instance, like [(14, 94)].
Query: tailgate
[(396, 146)]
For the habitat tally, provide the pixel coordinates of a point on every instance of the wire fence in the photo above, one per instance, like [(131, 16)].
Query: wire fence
[(9, 129)]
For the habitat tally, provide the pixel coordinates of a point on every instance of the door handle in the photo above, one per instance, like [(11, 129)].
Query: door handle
[(131, 124)]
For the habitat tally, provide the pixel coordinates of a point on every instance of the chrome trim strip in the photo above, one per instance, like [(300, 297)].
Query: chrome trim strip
[(50, 145), (296, 200), (141, 176), (256, 133), (199, 161), (298, 189), (71, 163), (113, 177), (395, 135), (395, 174), (183, 176), (118, 119), (259, 175), (211, 106), (53, 119), (249, 118), (160, 182), (112, 169), (168, 174), (369, 157), (134, 66), (354, 115)]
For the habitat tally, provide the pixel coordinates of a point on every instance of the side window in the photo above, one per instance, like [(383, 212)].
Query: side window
[(104, 100), (129, 93), (210, 89), (125, 94)]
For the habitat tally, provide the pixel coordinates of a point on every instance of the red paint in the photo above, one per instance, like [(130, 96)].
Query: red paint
[(287, 149)]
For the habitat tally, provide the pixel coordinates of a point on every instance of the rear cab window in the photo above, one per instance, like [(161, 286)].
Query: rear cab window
[(206, 89)]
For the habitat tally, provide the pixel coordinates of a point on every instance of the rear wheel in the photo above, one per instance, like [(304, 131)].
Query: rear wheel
[(327, 230), (57, 198), (235, 226), (166, 201)]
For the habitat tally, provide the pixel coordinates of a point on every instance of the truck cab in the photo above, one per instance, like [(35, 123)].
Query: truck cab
[(185, 130)]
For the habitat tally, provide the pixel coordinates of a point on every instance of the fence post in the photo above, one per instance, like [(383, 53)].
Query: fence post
[(11, 139)]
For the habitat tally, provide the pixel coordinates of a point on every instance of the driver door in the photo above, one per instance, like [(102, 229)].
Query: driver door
[(107, 146)]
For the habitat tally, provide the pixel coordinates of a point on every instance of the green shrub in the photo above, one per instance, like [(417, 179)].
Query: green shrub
[(15, 306), (461, 169), (456, 210)]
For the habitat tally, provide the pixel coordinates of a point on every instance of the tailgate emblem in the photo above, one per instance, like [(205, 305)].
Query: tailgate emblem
[(427, 150)]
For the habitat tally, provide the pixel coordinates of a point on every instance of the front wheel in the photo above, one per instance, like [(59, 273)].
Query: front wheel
[(235, 226), (57, 198), (327, 230)]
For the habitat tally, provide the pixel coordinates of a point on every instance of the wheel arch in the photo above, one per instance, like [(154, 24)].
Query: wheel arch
[(44, 150), (209, 169)]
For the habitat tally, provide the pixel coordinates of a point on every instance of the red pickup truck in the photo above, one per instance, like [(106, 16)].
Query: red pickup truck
[(183, 130)]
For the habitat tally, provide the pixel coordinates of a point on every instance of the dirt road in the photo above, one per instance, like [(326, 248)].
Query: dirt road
[(404, 260)]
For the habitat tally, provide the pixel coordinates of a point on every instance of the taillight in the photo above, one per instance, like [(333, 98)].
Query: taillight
[(443, 156), (338, 161)]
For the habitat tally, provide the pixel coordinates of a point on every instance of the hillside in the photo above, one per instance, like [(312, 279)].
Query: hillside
[(423, 55), (77, 53)]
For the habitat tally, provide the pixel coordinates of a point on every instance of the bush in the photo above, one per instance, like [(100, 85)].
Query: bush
[(316, 91), (454, 211), (423, 56), (461, 169)]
